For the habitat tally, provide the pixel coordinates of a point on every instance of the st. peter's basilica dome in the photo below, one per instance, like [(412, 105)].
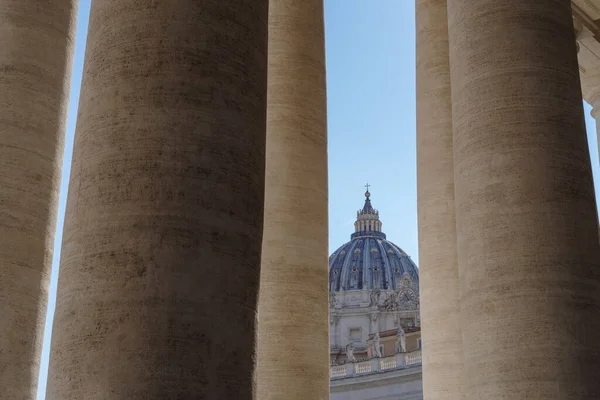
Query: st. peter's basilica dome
[(369, 261), (373, 296)]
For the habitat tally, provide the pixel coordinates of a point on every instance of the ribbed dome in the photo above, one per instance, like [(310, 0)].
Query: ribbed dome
[(368, 260)]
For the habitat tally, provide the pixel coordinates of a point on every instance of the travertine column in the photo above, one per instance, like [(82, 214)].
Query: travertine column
[(595, 113), (440, 311), (36, 49), (293, 339), (595, 103), (158, 286), (527, 236)]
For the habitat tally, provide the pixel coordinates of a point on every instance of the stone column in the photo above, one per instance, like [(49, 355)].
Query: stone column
[(293, 339), (526, 213), (440, 316), (35, 71), (595, 103), (158, 286)]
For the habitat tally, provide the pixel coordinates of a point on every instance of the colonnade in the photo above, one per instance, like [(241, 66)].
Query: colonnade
[(195, 119), (507, 215), (161, 255)]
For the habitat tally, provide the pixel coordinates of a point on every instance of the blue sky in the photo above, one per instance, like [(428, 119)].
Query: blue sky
[(371, 119)]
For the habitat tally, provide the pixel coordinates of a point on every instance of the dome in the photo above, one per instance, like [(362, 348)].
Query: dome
[(369, 261)]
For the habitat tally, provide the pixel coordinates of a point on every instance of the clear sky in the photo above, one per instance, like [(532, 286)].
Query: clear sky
[(371, 113)]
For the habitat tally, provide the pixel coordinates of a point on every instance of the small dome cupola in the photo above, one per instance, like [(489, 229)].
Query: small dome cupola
[(367, 219)]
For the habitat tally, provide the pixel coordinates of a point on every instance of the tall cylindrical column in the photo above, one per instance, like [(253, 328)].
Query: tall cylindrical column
[(158, 286), (293, 338), (595, 103), (440, 309), (35, 73), (527, 236)]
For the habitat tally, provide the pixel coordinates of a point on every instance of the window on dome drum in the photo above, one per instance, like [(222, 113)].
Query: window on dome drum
[(419, 343), (355, 335)]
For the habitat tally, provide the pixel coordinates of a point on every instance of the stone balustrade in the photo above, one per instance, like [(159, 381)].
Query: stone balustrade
[(375, 365)]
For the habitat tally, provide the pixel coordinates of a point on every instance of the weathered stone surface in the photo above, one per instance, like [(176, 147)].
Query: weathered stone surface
[(293, 340), (440, 309), (528, 248), (158, 286), (36, 49)]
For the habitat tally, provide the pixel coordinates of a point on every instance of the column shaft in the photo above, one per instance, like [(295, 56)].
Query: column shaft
[(35, 72), (293, 340), (596, 115), (526, 214), (440, 310), (595, 103), (158, 286)]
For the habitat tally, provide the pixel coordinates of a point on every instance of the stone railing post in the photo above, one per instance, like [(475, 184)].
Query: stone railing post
[(375, 364), (350, 369), (400, 360)]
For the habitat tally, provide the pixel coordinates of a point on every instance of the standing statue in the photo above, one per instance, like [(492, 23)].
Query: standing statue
[(375, 350), (332, 299), (375, 294), (350, 352), (400, 341)]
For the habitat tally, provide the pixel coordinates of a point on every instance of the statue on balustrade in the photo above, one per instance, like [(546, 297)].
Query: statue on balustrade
[(350, 352), (375, 350), (400, 341)]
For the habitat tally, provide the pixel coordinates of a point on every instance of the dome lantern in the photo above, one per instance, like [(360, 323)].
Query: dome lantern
[(367, 219)]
